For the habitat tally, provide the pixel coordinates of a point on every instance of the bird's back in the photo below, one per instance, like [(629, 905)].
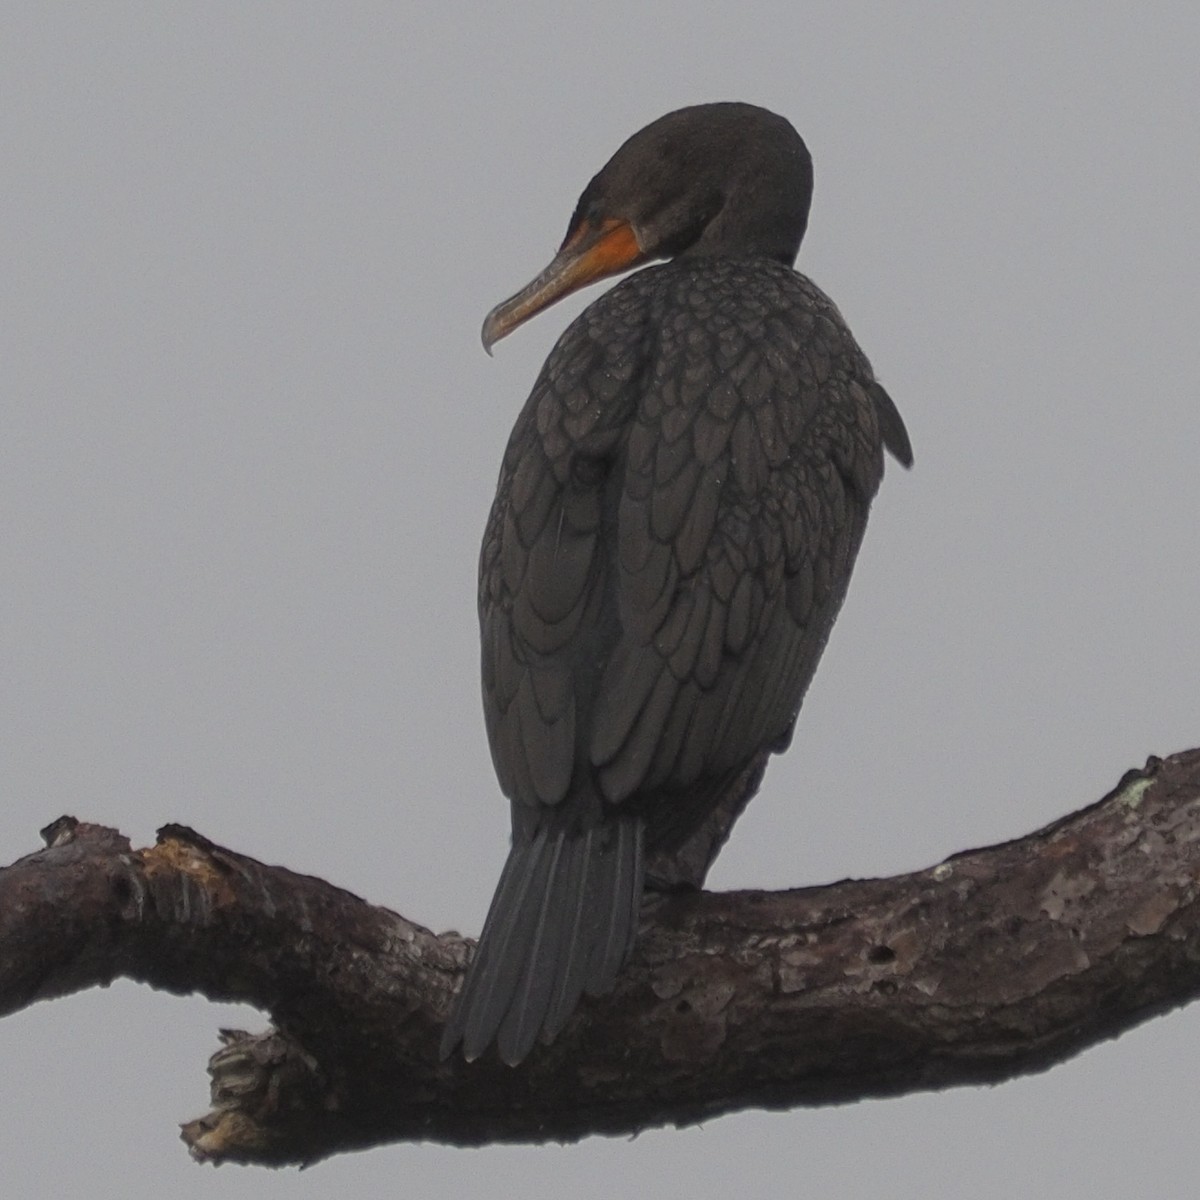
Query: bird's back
[(677, 517)]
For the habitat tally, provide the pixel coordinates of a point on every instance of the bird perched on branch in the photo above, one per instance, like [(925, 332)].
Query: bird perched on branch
[(678, 513)]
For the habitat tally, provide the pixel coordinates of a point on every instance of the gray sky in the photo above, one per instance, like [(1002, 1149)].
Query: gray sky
[(249, 438)]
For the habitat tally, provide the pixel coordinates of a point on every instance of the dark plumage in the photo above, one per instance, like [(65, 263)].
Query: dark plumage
[(677, 517)]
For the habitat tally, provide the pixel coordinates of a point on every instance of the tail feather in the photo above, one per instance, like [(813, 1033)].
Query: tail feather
[(572, 964), (562, 922), (531, 994), (498, 956), (615, 927)]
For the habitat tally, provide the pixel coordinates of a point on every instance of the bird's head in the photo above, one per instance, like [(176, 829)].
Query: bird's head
[(728, 179)]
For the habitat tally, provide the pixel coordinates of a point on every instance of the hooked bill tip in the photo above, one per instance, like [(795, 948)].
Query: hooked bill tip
[(488, 335)]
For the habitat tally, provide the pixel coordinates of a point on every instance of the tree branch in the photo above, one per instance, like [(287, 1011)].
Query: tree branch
[(994, 963)]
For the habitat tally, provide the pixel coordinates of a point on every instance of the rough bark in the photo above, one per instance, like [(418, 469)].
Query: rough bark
[(993, 963)]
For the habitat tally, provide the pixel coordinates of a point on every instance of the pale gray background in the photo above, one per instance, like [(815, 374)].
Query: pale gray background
[(248, 439)]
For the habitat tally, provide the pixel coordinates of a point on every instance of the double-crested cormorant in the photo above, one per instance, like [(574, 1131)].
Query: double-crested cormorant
[(677, 516)]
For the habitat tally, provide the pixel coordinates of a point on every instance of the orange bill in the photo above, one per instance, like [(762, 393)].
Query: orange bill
[(591, 252)]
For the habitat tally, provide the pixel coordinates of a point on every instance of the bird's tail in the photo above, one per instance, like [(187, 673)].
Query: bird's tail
[(562, 922)]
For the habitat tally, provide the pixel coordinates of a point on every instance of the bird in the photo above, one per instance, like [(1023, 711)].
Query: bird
[(678, 512)]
